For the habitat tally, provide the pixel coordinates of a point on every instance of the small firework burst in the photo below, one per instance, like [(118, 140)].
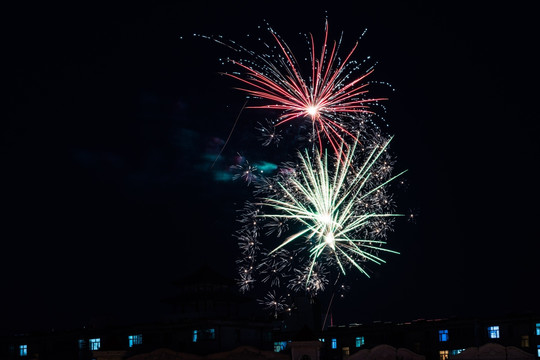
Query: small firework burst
[(269, 133), (274, 302), (245, 171)]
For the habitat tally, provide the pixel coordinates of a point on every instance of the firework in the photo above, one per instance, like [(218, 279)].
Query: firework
[(328, 213), (245, 171), (269, 134), (328, 97), (333, 211), (275, 303), (330, 204)]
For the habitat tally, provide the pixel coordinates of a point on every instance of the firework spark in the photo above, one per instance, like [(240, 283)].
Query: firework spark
[(330, 96)]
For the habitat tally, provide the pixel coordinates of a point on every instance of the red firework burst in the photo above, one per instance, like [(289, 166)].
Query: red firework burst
[(328, 98)]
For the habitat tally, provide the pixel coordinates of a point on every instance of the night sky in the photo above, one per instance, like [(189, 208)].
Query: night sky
[(115, 113)]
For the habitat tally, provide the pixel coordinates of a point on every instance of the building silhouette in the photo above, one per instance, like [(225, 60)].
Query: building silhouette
[(209, 319)]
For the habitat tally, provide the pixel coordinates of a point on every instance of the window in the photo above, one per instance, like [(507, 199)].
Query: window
[(443, 335), (135, 340), (493, 332), (280, 346), (359, 341), (457, 351), (23, 350), (204, 334), (334, 343), (538, 350), (443, 354), (95, 343), (538, 329), (345, 352), (321, 339), (524, 340), (82, 344)]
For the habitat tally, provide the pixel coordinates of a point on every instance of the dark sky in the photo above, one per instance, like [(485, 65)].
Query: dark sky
[(113, 114)]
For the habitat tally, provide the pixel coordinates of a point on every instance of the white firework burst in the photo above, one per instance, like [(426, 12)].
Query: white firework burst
[(274, 302), (338, 206)]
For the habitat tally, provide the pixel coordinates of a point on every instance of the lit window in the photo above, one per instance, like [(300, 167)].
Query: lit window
[(493, 332), (443, 354), (95, 343), (334, 343), (321, 339), (345, 351), (443, 335), (457, 351), (538, 329), (135, 340), (204, 334), (359, 341), (280, 346), (23, 350), (538, 350)]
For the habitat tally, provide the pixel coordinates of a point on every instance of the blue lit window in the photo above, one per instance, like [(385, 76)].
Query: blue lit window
[(135, 340), (359, 341), (334, 343), (23, 350), (443, 335), (538, 350), (457, 351), (538, 329), (95, 344), (493, 332), (82, 344), (280, 346), (321, 339), (204, 334)]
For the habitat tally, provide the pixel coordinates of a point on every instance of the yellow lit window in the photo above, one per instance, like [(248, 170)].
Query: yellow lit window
[(443, 355)]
